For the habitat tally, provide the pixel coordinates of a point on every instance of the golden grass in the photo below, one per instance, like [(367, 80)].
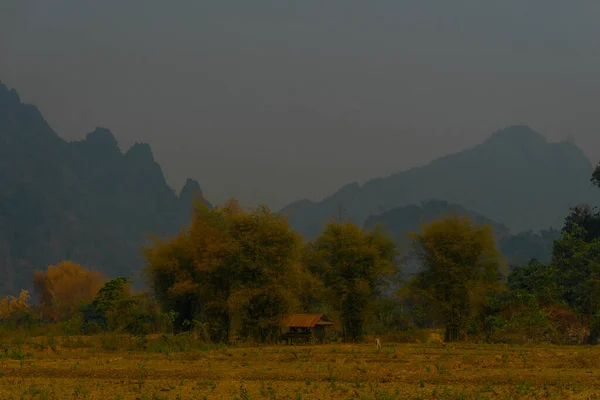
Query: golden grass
[(79, 368)]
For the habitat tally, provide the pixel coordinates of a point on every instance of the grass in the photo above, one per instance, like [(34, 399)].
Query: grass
[(112, 367)]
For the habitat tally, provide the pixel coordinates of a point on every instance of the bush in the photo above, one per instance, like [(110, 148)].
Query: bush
[(74, 325), (174, 343), (407, 336), (111, 342), (493, 325)]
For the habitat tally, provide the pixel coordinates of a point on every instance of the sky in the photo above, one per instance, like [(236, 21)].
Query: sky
[(275, 101)]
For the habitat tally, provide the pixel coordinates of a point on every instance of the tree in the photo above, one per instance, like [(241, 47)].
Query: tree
[(15, 309), (576, 256), (596, 176), (237, 271), (352, 264), (111, 293), (64, 287), (585, 217), (115, 309), (537, 279), (459, 267)]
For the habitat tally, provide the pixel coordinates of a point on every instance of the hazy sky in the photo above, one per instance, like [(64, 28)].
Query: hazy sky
[(273, 101)]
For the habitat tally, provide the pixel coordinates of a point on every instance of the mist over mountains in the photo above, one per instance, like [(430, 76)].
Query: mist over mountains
[(518, 249), (516, 178), (95, 204), (87, 200)]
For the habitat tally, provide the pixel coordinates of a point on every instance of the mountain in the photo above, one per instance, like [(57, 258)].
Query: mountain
[(517, 249), (86, 201), (516, 178), (399, 221)]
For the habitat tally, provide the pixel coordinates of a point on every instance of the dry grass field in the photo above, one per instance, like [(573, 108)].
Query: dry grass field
[(114, 367)]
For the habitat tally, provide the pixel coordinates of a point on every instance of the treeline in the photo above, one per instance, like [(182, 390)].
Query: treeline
[(233, 274), (81, 301)]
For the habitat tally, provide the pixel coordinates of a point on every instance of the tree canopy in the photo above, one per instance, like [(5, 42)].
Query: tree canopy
[(237, 271), (459, 266), (64, 287), (351, 264)]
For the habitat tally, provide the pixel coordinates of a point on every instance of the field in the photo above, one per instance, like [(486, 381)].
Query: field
[(116, 367)]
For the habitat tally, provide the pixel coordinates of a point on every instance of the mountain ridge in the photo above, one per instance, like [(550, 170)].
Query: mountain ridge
[(84, 200), (514, 160), (517, 249)]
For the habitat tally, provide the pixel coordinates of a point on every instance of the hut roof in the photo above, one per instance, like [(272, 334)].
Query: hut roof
[(305, 320)]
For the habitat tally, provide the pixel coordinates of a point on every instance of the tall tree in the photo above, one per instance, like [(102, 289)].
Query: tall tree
[(237, 271), (596, 176), (576, 257), (64, 287), (459, 266), (585, 217), (352, 264)]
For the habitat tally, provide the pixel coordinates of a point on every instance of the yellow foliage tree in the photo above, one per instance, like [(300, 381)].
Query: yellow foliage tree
[(12, 308), (62, 288), (236, 271), (460, 265), (353, 265)]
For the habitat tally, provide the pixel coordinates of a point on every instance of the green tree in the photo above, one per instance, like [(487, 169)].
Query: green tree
[(537, 279), (596, 176), (576, 256), (459, 267), (352, 264), (582, 216), (114, 309)]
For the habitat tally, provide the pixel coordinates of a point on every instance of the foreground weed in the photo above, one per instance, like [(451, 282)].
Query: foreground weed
[(523, 387), (441, 369), (267, 391), (244, 393), (33, 390), (79, 391), (387, 395), (523, 356), (141, 375), (17, 354), (207, 383), (111, 342)]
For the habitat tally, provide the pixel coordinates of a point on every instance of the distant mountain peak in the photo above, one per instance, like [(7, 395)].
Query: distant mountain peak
[(192, 192), (191, 186), (516, 135), (33, 129), (140, 151), (15, 95), (516, 177), (84, 200), (102, 138), (7, 94)]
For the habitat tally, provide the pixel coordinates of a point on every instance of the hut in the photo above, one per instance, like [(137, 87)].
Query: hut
[(304, 328)]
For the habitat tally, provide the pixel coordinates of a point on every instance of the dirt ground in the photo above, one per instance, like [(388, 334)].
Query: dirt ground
[(399, 371)]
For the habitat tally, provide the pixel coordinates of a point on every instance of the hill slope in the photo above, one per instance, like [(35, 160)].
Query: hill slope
[(399, 221), (517, 249), (516, 178), (86, 200)]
